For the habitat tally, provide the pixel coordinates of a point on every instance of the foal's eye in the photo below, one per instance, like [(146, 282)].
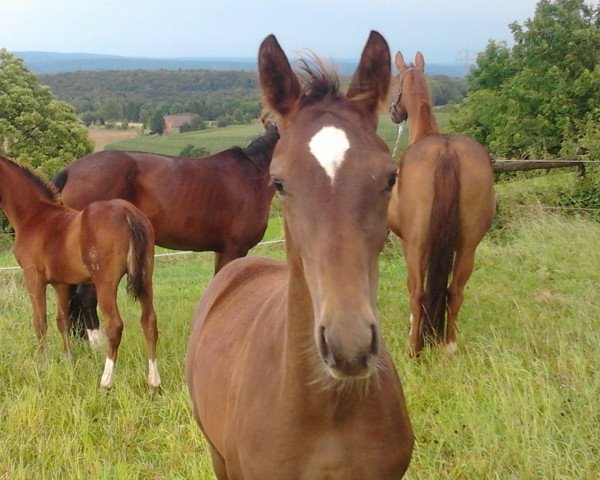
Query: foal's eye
[(391, 181), (278, 185)]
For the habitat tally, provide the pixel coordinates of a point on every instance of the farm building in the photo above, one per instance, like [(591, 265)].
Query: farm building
[(173, 123)]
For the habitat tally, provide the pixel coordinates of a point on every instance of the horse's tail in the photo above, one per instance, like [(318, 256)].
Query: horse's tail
[(60, 180), (442, 240), (138, 264)]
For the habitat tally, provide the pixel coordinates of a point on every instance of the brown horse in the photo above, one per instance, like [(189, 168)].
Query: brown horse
[(219, 202), (59, 246), (441, 207), (287, 370)]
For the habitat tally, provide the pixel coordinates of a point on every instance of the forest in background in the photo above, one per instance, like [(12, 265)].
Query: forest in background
[(230, 97)]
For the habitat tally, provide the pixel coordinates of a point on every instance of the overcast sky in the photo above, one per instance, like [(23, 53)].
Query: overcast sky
[(443, 30)]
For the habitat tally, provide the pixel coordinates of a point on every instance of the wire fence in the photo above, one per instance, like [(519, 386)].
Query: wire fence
[(158, 255)]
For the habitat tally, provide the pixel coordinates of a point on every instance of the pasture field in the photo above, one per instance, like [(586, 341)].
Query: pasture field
[(213, 139), (518, 401), (103, 136), (218, 139)]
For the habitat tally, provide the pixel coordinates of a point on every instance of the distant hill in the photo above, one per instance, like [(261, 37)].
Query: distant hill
[(51, 63)]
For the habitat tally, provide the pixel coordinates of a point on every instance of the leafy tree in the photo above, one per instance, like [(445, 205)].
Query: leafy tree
[(536, 97), (88, 118), (196, 124), (446, 89), (176, 108), (156, 122), (36, 128), (111, 110)]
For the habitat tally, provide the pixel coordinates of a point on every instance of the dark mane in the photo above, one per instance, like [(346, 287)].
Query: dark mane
[(49, 190), (260, 149), (317, 82)]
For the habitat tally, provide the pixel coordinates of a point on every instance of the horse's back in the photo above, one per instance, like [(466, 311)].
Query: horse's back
[(98, 176), (411, 203)]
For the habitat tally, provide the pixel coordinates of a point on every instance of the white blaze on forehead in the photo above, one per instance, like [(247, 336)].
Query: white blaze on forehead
[(329, 146)]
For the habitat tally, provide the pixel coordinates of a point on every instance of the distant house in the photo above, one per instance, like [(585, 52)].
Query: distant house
[(173, 123)]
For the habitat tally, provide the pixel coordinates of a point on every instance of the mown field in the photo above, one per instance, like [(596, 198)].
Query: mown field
[(217, 139), (519, 400)]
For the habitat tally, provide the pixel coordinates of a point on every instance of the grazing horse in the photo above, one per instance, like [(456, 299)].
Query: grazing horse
[(59, 246), (287, 370), (441, 207), (219, 202)]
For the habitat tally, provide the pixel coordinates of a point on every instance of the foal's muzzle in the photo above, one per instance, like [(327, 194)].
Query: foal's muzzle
[(397, 113), (346, 362)]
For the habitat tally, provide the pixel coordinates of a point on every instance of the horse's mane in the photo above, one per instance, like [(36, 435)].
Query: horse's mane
[(49, 190), (317, 82), (260, 149)]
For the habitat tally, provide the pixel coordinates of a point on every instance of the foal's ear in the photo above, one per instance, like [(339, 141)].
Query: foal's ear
[(420, 61), (279, 84), (400, 63), (371, 81)]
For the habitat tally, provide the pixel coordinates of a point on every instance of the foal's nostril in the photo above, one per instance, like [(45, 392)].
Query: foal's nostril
[(375, 343), (324, 349)]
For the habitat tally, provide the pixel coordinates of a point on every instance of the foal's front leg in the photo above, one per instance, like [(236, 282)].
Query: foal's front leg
[(63, 320), (37, 294)]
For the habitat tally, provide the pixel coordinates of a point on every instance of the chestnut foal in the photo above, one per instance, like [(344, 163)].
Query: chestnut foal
[(287, 370)]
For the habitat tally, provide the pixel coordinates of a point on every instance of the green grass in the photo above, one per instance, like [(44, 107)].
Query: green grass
[(519, 400), (218, 139), (213, 139)]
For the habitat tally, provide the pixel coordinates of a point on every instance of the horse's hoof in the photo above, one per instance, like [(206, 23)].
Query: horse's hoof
[(154, 389), (451, 348)]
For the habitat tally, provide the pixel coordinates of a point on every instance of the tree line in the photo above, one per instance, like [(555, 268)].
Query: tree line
[(227, 97), (146, 95)]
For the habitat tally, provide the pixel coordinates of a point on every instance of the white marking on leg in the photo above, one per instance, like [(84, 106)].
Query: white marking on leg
[(329, 146), (153, 375), (411, 325), (95, 338), (452, 347), (106, 381)]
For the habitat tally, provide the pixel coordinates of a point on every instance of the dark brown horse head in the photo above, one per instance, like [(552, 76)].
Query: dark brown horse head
[(398, 107), (333, 175)]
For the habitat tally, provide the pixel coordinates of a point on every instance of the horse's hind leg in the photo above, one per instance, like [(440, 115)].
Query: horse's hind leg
[(63, 321), (415, 279), (148, 321), (89, 303), (107, 299), (463, 267)]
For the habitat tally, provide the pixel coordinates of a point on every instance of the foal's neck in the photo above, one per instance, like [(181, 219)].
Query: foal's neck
[(421, 117), (300, 348), (22, 202)]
